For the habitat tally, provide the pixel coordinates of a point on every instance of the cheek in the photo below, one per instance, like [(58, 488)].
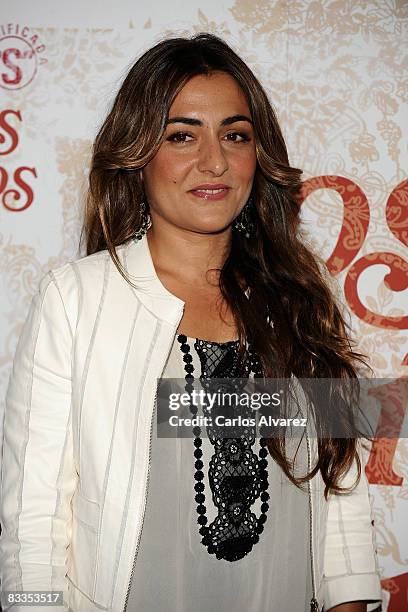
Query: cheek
[(168, 168), (244, 165)]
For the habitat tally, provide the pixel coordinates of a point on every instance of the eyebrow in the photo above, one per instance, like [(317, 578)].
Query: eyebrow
[(226, 121)]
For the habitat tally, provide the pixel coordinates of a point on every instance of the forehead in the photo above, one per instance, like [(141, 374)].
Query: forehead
[(218, 93)]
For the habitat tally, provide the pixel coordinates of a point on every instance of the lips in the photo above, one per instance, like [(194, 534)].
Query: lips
[(210, 191)]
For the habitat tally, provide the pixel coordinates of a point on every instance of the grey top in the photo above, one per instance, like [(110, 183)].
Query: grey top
[(174, 571)]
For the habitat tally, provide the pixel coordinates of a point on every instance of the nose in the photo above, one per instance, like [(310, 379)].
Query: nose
[(211, 157)]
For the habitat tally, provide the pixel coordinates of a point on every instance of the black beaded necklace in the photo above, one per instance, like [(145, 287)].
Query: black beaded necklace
[(237, 477)]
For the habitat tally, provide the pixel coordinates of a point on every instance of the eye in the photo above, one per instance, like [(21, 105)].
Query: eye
[(179, 137), (238, 137)]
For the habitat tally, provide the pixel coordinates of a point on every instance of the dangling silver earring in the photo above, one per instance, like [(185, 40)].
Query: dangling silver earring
[(244, 223), (145, 222)]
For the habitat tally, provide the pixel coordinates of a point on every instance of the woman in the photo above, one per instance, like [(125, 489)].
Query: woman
[(195, 270)]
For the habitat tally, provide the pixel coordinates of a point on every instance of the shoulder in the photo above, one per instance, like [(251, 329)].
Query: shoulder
[(89, 271), (79, 281), (89, 267)]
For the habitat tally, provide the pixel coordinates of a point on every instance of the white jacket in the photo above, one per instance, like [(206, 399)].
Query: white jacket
[(77, 440)]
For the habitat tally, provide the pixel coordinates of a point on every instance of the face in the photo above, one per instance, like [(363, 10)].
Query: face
[(202, 174)]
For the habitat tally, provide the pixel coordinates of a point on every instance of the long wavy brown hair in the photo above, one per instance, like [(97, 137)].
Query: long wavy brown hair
[(309, 337)]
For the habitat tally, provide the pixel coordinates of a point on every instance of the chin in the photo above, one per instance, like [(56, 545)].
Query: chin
[(211, 226), (212, 229)]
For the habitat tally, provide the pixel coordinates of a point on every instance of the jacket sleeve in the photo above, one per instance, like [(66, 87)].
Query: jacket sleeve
[(350, 559), (38, 473)]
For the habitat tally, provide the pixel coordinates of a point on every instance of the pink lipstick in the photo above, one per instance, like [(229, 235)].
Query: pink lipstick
[(210, 191)]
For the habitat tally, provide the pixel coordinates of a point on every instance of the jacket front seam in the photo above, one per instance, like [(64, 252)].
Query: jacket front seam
[(75, 588), (58, 500), (118, 396), (345, 548), (88, 355), (132, 469), (371, 518)]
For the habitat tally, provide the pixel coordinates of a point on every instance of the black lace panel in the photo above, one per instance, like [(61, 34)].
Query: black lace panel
[(237, 476)]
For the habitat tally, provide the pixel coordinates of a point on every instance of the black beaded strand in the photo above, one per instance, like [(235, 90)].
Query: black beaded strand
[(207, 540)]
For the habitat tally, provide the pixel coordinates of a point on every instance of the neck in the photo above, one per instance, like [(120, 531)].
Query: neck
[(187, 254)]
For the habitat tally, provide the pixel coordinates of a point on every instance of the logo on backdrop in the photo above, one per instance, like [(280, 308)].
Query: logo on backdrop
[(21, 52), (16, 194)]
